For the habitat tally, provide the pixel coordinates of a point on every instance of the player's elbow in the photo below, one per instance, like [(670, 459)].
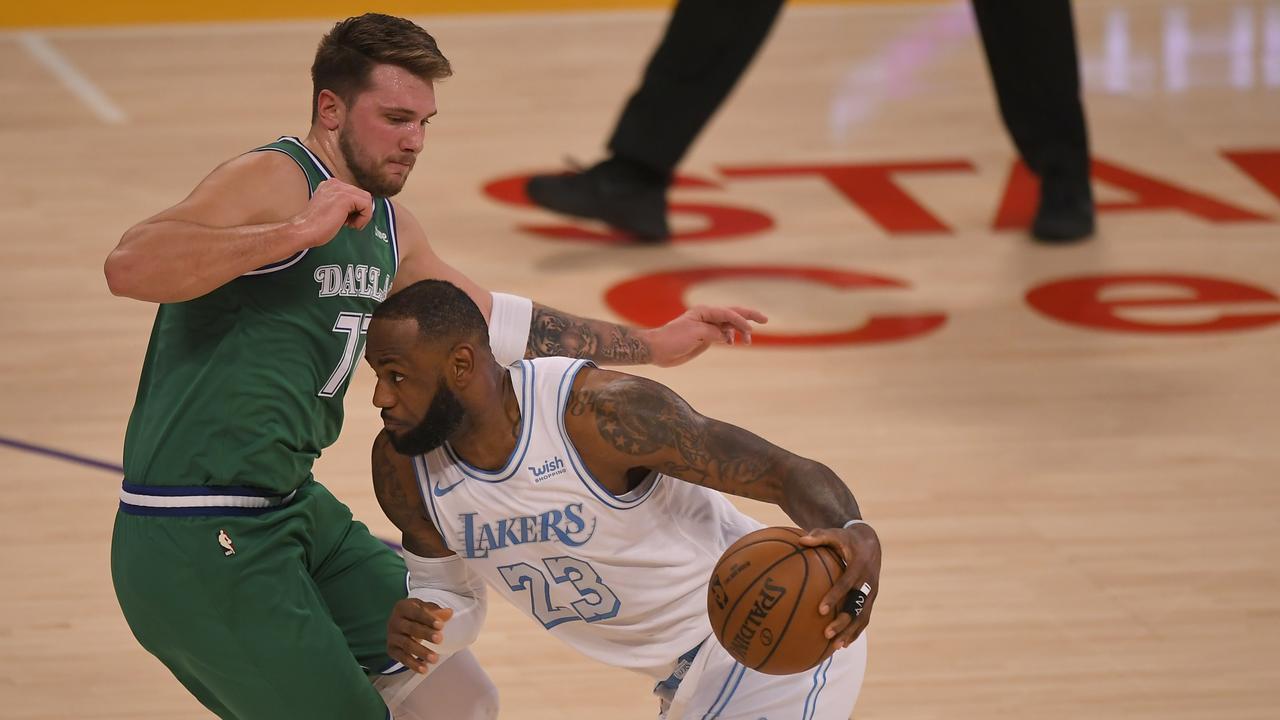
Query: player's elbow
[(797, 475), (131, 273), (121, 272)]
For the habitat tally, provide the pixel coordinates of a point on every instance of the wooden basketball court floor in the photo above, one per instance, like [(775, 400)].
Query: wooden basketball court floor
[(1072, 454)]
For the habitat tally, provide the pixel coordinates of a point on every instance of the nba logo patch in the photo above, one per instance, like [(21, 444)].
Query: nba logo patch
[(225, 541)]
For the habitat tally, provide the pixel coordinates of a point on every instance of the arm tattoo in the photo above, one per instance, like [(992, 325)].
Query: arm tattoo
[(403, 511), (555, 333), (397, 493), (582, 402), (641, 418), (638, 417)]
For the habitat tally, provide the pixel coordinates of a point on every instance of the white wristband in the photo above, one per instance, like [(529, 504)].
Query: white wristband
[(448, 582), (509, 327), (851, 523)]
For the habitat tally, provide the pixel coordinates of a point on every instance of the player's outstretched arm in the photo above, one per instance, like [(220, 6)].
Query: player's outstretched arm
[(555, 332), (541, 331), (622, 423), (441, 589), (250, 212)]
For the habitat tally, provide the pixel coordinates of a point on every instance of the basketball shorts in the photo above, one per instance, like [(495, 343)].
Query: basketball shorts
[(717, 687), (278, 610)]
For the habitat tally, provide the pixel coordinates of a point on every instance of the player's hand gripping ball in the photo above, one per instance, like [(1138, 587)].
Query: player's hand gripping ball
[(763, 601)]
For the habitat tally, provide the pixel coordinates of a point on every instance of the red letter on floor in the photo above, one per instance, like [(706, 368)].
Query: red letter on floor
[(1261, 165), (1020, 196), (870, 187), (653, 300), (1082, 301)]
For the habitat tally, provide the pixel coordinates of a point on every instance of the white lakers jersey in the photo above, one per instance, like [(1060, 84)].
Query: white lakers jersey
[(623, 579)]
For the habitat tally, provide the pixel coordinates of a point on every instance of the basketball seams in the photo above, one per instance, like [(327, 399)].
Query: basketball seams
[(735, 548), (750, 584), (804, 582), (742, 596)]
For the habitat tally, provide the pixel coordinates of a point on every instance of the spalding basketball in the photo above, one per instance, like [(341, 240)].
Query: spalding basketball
[(763, 601)]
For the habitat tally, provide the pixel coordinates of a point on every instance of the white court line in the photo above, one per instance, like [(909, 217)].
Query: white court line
[(77, 83)]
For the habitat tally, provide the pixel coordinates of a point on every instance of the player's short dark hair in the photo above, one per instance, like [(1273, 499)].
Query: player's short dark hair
[(443, 311), (349, 52)]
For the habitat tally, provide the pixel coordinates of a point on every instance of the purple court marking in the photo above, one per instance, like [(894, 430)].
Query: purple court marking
[(109, 467), (60, 455)]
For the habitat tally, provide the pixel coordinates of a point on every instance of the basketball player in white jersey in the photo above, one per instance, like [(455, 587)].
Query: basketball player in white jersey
[(592, 501)]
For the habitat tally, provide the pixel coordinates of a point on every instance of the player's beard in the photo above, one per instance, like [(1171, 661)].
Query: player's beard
[(443, 418), (364, 169)]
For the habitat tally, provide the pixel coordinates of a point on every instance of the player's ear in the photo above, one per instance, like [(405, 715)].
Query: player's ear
[(330, 110), (462, 365)]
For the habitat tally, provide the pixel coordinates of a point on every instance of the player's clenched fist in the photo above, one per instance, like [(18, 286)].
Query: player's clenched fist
[(413, 622), (333, 205)]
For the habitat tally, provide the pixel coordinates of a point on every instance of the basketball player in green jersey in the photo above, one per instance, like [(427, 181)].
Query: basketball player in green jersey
[(233, 566)]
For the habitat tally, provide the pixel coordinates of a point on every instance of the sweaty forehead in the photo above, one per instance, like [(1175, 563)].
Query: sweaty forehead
[(393, 85)]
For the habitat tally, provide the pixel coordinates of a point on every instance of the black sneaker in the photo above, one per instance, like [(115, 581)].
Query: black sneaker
[(608, 191), (1066, 210)]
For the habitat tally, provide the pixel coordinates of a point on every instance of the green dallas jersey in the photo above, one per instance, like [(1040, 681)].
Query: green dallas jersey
[(243, 386)]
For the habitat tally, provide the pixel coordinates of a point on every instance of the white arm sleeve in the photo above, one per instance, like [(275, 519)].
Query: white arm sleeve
[(448, 582), (509, 327)]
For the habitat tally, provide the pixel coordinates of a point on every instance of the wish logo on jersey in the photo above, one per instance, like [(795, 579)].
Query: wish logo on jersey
[(566, 526), (549, 469)]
